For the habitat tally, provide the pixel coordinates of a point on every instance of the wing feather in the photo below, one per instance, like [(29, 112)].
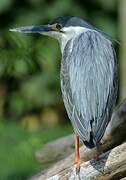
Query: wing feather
[(88, 83)]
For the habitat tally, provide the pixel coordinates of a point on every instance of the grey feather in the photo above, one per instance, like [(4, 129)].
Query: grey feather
[(89, 83)]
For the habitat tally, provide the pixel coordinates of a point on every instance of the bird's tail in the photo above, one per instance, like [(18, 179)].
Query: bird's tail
[(91, 143)]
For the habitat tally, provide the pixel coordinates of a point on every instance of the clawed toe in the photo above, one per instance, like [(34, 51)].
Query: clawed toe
[(77, 166)]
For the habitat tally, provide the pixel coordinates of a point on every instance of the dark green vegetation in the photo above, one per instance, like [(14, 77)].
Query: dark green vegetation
[(29, 78)]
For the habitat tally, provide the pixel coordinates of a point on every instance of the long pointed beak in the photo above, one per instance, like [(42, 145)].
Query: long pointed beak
[(33, 29)]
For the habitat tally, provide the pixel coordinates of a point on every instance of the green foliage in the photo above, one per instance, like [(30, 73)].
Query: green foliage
[(17, 153), (5, 5), (108, 4)]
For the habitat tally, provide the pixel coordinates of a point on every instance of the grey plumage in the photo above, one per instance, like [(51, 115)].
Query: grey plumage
[(88, 83)]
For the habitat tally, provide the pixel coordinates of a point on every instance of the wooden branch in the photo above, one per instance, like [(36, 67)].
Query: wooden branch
[(114, 166), (111, 165), (60, 149)]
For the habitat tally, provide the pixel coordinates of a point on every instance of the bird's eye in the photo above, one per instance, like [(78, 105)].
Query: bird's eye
[(58, 26)]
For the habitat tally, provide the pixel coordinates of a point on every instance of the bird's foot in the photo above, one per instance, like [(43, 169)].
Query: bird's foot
[(98, 151), (97, 158), (77, 164)]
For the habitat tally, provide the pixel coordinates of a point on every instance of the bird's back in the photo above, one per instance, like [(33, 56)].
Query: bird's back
[(89, 84)]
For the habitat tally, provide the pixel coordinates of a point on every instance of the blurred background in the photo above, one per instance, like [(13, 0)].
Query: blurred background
[(31, 108)]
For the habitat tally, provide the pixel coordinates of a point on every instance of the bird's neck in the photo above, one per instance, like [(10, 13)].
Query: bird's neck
[(70, 33)]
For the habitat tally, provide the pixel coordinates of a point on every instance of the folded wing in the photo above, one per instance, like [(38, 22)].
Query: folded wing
[(89, 83)]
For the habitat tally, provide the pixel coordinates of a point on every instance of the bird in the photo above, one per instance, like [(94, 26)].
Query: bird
[(88, 77)]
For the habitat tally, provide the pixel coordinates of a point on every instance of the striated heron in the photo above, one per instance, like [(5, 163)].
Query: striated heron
[(88, 76)]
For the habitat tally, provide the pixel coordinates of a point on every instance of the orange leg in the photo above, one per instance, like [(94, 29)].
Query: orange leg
[(77, 161), (99, 151)]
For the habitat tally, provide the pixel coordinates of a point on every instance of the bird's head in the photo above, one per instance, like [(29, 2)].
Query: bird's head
[(61, 28)]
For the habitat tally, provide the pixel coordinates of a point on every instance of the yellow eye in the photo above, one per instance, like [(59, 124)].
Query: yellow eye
[(58, 26)]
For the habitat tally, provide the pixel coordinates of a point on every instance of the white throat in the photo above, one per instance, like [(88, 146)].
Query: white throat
[(70, 33)]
